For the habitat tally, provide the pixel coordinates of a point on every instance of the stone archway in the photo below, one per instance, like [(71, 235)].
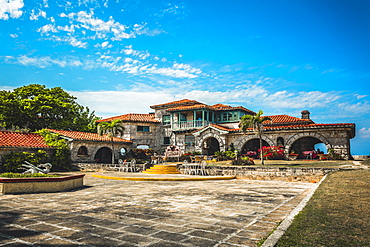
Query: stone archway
[(103, 155), (253, 145), (202, 142), (239, 145), (305, 142), (211, 145)]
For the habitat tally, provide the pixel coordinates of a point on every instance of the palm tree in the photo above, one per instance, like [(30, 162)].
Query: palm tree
[(256, 123), (112, 129)]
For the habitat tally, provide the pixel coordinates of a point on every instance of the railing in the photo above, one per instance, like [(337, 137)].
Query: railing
[(193, 124)]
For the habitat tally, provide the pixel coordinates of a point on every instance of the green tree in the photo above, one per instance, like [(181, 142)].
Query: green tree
[(256, 123), (36, 107), (61, 157), (112, 129)]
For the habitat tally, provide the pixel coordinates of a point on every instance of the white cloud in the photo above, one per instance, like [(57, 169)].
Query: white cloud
[(11, 8), (364, 133), (110, 103), (35, 16), (47, 29), (358, 108), (43, 62), (70, 40)]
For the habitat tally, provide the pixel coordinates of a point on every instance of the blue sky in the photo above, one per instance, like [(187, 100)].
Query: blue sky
[(121, 56)]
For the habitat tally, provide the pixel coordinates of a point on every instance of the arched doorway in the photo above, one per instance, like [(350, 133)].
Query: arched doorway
[(306, 144), (211, 145), (253, 145), (104, 155)]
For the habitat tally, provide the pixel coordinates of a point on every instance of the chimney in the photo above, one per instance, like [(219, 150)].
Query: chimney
[(305, 114)]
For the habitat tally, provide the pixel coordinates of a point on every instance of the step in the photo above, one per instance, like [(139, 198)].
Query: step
[(162, 169)]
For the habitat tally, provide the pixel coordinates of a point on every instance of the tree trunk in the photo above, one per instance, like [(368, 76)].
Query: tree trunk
[(261, 153), (112, 152)]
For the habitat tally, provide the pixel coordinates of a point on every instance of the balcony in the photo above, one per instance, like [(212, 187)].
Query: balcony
[(186, 125)]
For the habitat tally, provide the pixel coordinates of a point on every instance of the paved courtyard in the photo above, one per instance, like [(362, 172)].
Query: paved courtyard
[(148, 213)]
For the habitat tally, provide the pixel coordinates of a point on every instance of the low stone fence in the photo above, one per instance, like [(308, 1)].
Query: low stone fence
[(291, 174), (101, 166)]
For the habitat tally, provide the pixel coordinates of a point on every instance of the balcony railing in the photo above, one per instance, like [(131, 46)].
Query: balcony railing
[(193, 124)]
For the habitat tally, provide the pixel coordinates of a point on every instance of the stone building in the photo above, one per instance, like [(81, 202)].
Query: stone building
[(194, 126), (85, 147), (90, 147), (11, 141)]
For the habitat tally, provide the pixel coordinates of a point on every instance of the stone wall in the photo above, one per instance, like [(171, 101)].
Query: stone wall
[(289, 174)]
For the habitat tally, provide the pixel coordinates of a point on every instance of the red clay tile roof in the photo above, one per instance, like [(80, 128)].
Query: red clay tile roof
[(86, 136), (217, 127), (132, 117), (217, 107), (22, 139), (223, 128), (185, 102), (190, 107), (310, 126), (221, 107), (285, 119), (306, 126)]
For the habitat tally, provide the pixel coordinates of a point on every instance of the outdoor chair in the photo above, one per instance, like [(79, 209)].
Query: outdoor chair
[(129, 166), (203, 168), (194, 168), (186, 166)]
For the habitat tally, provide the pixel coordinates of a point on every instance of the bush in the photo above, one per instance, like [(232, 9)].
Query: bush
[(19, 175), (61, 158), (272, 153), (333, 155), (243, 161), (13, 161)]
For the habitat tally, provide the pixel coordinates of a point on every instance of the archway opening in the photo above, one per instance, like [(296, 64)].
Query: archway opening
[(305, 144), (143, 146), (82, 150), (250, 148), (211, 145), (104, 155), (321, 148)]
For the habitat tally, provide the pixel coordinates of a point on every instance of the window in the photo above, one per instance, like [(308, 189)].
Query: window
[(142, 128), (280, 141), (82, 150), (183, 117), (166, 119), (166, 141), (189, 140), (123, 151)]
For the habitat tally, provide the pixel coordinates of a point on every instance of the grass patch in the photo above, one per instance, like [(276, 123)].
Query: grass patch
[(20, 175), (338, 214), (366, 162)]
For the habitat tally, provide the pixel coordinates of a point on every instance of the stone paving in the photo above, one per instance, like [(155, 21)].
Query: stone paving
[(151, 213)]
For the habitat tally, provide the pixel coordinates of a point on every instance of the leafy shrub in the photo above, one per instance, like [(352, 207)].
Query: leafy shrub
[(243, 161), (19, 175), (13, 161), (61, 157), (333, 155), (272, 152), (143, 154), (226, 155)]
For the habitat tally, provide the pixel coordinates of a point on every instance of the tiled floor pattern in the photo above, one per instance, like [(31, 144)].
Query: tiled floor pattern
[(130, 213)]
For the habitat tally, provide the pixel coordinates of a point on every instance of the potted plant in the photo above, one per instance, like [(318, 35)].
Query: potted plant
[(292, 156)]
